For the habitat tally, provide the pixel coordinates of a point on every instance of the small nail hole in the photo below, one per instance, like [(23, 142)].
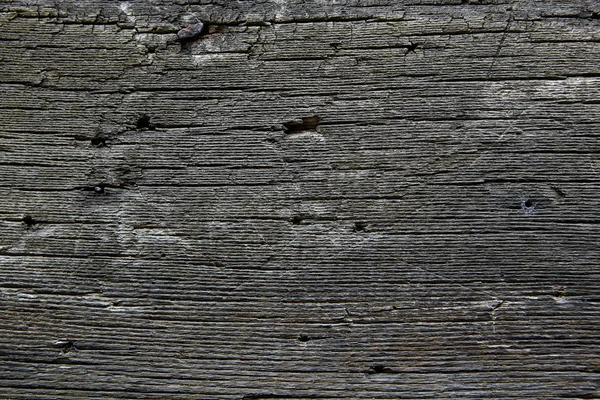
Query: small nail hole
[(296, 220), (360, 226), (29, 221), (411, 48), (144, 123), (304, 338), (529, 205), (305, 124), (65, 346), (98, 142), (559, 291), (379, 369)]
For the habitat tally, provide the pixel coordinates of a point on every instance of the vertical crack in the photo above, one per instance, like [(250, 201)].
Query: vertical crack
[(502, 39)]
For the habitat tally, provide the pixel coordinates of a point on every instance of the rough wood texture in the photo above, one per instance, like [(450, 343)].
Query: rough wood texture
[(310, 199)]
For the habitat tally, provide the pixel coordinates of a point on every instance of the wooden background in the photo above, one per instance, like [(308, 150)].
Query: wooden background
[(315, 199)]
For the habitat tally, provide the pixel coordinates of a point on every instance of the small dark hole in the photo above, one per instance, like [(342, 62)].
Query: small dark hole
[(411, 48), (98, 142), (296, 220), (144, 123), (379, 369), (528, 203), (304, 124), (359, 226), (29, 221), (162, 255), (186, 46), (66, 346), (304, 338), (219, 264)]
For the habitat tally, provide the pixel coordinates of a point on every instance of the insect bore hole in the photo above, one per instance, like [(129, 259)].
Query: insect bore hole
[(304, 338), (144, 123), (65, 346), (29, 221), (411, 48), (360, 226), (98, 142), (379, 369)]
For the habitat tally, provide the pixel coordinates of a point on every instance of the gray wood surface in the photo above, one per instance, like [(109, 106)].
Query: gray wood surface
[(311, 199)]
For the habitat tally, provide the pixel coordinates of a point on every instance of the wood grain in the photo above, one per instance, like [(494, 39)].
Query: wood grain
[(309, 200)]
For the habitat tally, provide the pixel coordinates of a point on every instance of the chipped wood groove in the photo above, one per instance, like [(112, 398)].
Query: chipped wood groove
[(299, 200)]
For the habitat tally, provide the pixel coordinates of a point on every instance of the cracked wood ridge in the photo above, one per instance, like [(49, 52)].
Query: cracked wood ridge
[(299, 199)]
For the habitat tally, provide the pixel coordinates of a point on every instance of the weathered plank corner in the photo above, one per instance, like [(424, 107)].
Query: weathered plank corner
[(299, 199)]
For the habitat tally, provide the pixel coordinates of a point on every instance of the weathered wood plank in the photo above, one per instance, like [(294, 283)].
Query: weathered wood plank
[(310, 200)]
